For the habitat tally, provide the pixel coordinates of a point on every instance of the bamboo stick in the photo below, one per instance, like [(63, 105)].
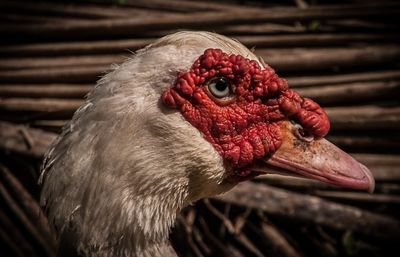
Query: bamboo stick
[(300, 59), (271, 240), (262, 29), (364, 117), (43, 62), (279, 202), (83, 10), (119, 45), (40, 105), (24, 220), (29, 205), (14, 238), (366, 143), (282, 60), (76, 47), (378, 159), (12, 139), (357, 92), (122, 26), (45, 91), (323, 39), (72, 74), (310, 81), (219, 247), (359, 197)]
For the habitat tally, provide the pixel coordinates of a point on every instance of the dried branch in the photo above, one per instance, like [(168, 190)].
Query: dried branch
[(67, 74), (300, 59), (365, 143), (14, 237), (359, 197), (353, 92), (12, 140), (24, 220), (309, 81), (292, 205), (123, 26), (45, 91), (364, 117), (65, 61), (74, 48), (28, 204), (271, 240)]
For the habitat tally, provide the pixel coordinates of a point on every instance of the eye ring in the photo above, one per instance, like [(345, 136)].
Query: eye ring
[(220, 90)]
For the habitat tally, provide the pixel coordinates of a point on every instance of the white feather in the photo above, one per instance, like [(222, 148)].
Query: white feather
[(125, 164)]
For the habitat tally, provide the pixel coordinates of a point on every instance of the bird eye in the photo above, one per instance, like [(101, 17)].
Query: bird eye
[(219, 87)]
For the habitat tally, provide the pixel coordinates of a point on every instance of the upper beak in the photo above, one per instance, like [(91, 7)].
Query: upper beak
[(317, 159)]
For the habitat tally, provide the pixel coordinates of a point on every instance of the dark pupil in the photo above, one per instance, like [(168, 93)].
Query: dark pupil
[(221, 85)]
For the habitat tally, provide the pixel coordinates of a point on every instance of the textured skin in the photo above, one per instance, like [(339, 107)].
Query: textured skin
[(244, 127)]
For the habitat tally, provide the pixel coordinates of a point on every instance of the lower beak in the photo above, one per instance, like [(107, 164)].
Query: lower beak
[(317, 159)]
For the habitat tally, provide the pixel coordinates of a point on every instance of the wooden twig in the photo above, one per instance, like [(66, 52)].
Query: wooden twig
[(14, 237), (86, 11), (353, 92), (378, 159), (364, 117), (71, 74), (359, 197), (220, 248), (381, 174), (240, 221), (248, 244), (45, 91), (30, 63), (123, 26), (115, 46), (227, 223), (24, 220), (271, 240), (260, 29), (366, 143), (40, 105), (11, 140), (72, 70), (28, 204), (188, 229), (309, 81), (325, 39), (118, 46), (300, 59), (27, 137), (311, 209)]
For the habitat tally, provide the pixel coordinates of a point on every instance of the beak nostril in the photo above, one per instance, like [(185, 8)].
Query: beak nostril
[(302, 134)]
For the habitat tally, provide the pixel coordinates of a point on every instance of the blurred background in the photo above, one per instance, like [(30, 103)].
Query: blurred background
[(344, 54)]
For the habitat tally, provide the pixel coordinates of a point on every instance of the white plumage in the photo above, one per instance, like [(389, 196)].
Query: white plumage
[(125, 165)]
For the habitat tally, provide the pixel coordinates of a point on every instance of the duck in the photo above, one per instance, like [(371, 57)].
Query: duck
[(187, 117)]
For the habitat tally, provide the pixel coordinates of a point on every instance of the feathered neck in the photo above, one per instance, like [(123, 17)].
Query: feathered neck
[(125, 165)]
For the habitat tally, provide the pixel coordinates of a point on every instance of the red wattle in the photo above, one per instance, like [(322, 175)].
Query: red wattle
[(246, 128)]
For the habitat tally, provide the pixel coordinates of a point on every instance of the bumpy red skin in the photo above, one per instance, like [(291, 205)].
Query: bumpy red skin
[(246, 127)]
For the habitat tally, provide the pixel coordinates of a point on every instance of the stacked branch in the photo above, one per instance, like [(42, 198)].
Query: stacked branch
[(344, 56)]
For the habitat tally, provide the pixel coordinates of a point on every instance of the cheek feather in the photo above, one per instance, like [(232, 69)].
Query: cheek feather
[(246, 128)]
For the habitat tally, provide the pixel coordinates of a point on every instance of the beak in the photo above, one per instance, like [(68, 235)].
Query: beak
[(318, 159)]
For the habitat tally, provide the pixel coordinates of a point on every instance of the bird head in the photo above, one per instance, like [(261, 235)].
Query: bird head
[(187, 117), (254, 121)]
